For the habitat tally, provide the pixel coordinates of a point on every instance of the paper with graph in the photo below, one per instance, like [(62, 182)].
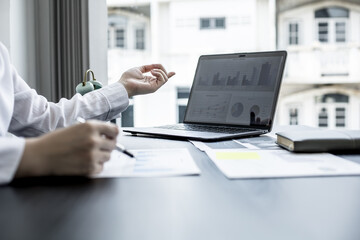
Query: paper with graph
[(279, 163), (150, 163)]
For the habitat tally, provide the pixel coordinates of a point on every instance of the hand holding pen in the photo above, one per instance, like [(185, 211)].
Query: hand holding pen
[(118, 147)]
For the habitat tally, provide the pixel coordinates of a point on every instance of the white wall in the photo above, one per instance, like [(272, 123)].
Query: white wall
[(98, 39), (17, 34), (22, 39), (5, 22)]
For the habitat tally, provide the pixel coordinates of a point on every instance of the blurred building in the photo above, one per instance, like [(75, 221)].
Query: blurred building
[(176, 33), (321, 86)]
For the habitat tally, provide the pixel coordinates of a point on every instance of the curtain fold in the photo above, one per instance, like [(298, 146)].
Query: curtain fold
[(62, 46)]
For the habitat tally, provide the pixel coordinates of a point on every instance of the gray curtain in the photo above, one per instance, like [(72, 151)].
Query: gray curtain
[(62, 46)]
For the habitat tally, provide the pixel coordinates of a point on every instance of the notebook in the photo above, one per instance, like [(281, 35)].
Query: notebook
[(232, 96)]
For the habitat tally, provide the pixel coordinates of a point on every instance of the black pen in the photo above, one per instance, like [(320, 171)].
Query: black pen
[(118, 147), (122, 149)]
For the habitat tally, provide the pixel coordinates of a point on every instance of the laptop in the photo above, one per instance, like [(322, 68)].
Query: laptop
[(232, 96)]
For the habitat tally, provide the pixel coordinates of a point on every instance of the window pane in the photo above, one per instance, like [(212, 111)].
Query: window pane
[(182, 110), (293, 34), (140, 39), (323, 118), (183, 93), (334, 97), (323, 31), (293, 113), (127, 117), (220, 22), (332, 12), (109, 38), (340, 117), (120, 38), (340, 28), (204, 23)]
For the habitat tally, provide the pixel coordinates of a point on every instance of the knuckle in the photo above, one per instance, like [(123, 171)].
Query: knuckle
[(89, 127), (92, 142)]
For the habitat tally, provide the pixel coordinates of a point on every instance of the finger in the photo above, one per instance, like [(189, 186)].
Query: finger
[(159, 77), (97, 168), (105, 156), (170, 74), (106, 144), (109, 130), (158, 72), (148, 68)]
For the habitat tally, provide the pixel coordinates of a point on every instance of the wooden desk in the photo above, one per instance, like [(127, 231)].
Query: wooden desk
[(206, 207)]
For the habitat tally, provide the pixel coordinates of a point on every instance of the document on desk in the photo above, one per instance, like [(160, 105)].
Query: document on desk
[(279, 163), (254, 143), (150, 163)]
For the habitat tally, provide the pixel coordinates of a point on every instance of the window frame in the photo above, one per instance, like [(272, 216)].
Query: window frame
[(140, 40), (293, 35), (213, 23), (332, 33)]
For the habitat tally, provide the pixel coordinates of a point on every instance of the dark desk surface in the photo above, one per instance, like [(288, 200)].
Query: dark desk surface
[(206, 207)]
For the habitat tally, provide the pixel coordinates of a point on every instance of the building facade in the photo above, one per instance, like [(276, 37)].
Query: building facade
[(321, 86), (176, 33)]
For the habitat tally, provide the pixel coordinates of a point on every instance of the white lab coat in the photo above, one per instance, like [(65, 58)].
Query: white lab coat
[(24, 113)]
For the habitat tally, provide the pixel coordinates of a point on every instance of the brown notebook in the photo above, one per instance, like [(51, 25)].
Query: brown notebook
[(319, 140)]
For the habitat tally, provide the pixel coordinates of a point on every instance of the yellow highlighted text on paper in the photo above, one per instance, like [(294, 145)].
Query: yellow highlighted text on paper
[(237, 155)]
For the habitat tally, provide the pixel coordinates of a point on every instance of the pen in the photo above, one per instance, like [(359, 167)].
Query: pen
[(118, 147)]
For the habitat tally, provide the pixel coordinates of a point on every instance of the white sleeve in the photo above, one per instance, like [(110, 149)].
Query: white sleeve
[(34, 115), (11, 149)]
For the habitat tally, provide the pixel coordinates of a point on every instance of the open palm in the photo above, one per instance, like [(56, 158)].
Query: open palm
[(136, 82)]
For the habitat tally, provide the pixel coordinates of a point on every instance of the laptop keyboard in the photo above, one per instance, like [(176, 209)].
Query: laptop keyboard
[(202, 128)]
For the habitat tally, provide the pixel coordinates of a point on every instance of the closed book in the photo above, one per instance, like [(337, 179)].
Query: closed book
[(319, 140)]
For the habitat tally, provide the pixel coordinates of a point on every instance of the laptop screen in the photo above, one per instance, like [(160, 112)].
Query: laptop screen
[(236, 89)]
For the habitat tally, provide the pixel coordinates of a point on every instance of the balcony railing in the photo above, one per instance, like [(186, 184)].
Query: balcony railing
[(323, 65)]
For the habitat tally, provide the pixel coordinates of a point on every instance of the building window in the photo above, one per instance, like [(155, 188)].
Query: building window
[(340, 117), (212, 23), (120, 38), (127, 117), (323, 118), (183, 94), (332, 12), (340, 28), (332, 24), (140, 39), (332, 110), (293, 33), (323, 32), (109, 38), (293, 116)]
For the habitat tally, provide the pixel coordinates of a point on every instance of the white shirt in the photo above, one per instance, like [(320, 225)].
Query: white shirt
[(24, 113)]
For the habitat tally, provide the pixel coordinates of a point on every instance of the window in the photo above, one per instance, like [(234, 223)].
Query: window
[(293, 33), (140, 39), (323, 32), (182, 99), (293, 116), (120, 38), (340, 117), (109, 38), (323, 118), (340, 28), (212, 23), (332, 24), (127, 117), (332, 110)]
